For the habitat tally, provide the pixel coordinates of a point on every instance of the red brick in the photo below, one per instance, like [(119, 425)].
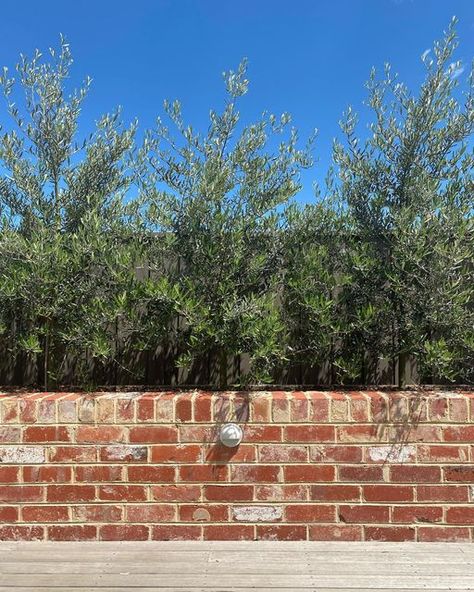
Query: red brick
[(458, 409), (202, 473), (415, 474), (281, 532), (359, 408), (237, 493), (125, 410), (411, 514), (9, 474), (176, 453), (151, 513), (442, 493), (280, 453), (438, 408), (415, 433), (310, 513), (309, 473), (21, 533), (124, 453), (45, 514), (98, 473), (359, 433), (228, 532), (98, 513), (299, 407), (47, 474), (261, 408), (9, 514), (255, 474), (124, 532), (100, 435), (164, 410), (206, 513), (202, 407), (184, 408), (145, 409), (280, 410), (338, 453), (176, 532), (176, 493), (266, 433), (433, 454), (388, 493), (460, 474), (220, 453), (71, 532), (389, 533), (277, 493), (153, 434), (360, 473), (443, 534), (363, 514), (46, 434), (460, 515), (327, 493), (70, 493), (74, 454), (197, 433), (148, 474), (128, 493), (21, 493), (458, 433), (309, 433), (319, 407), (335, 532)]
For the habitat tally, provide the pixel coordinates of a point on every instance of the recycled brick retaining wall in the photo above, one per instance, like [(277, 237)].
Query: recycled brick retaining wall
[(378, 466)]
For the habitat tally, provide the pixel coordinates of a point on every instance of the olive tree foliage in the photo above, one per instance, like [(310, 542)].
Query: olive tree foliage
[(216, 197), (409, 191), (67, 246)]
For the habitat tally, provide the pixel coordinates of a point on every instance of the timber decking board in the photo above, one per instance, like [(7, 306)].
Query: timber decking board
[(215, 566)]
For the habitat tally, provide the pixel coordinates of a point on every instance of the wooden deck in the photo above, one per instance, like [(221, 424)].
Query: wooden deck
[(226, 566)]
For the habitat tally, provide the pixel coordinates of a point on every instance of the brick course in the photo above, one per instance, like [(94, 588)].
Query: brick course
[(365, 465)]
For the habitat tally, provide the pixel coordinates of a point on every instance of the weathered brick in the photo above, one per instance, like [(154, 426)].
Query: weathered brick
[(72, 532), (45, 513), (310, 513), (334, 532), (153, 434), (389, 533), (124, 532)]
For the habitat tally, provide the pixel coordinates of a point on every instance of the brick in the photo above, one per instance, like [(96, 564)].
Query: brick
[(415, 433), (379, 407), (327, 493), (334, 532), (261, 408), (184, 408), (439, 453), (338, 453), (360, 473), (73, 454), (105, 410), (9, 474), (277, 493), (164, 408), (202, 473), (460, 515), (415, 474), (438, 408), (220, 453), (203, 513), (21, 533), (309, 433), (124, 453), (73, 532), (153, 434), (443, 534), (22, 454), (388, 493), (67, 411), (86, 409), (47, 474), (360, 433), (257, 513), (255, 474), (33, 434), (176, 532), (280, 410), (458, 433), (129, 493), (395, 453), (100, 435), (309, 473), (389, 533), (70, 493), (176, 493), (125, 410), (442, 493), (228, 532), (458, 409), (202, 407), (281, 532), (177, 453), (299, 407), (27, 411), (97, 513), (45, 513), (98, 473), (238, 493), (46, 411), (281, 453), (319, 407), (9, 514), (364, 514), (310, 513), (10, 434), (413, 514), (268, 433), (21, 493), (149, 474), (151, 513), (145, 409), (359, 408), (9, 410), (124, 532)]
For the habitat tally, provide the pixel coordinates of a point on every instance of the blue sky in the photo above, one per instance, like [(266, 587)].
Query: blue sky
[(307, 57)]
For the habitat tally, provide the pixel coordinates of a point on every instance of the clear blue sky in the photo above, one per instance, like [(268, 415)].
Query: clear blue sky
[(308, 57)]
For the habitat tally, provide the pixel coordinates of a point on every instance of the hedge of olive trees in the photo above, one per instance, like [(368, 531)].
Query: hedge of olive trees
[(111, 248)]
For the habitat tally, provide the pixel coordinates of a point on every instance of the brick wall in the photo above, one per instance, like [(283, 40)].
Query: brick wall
[(386, 466)]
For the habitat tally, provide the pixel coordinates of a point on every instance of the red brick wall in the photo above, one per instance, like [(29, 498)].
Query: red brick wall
[(393, 466)]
